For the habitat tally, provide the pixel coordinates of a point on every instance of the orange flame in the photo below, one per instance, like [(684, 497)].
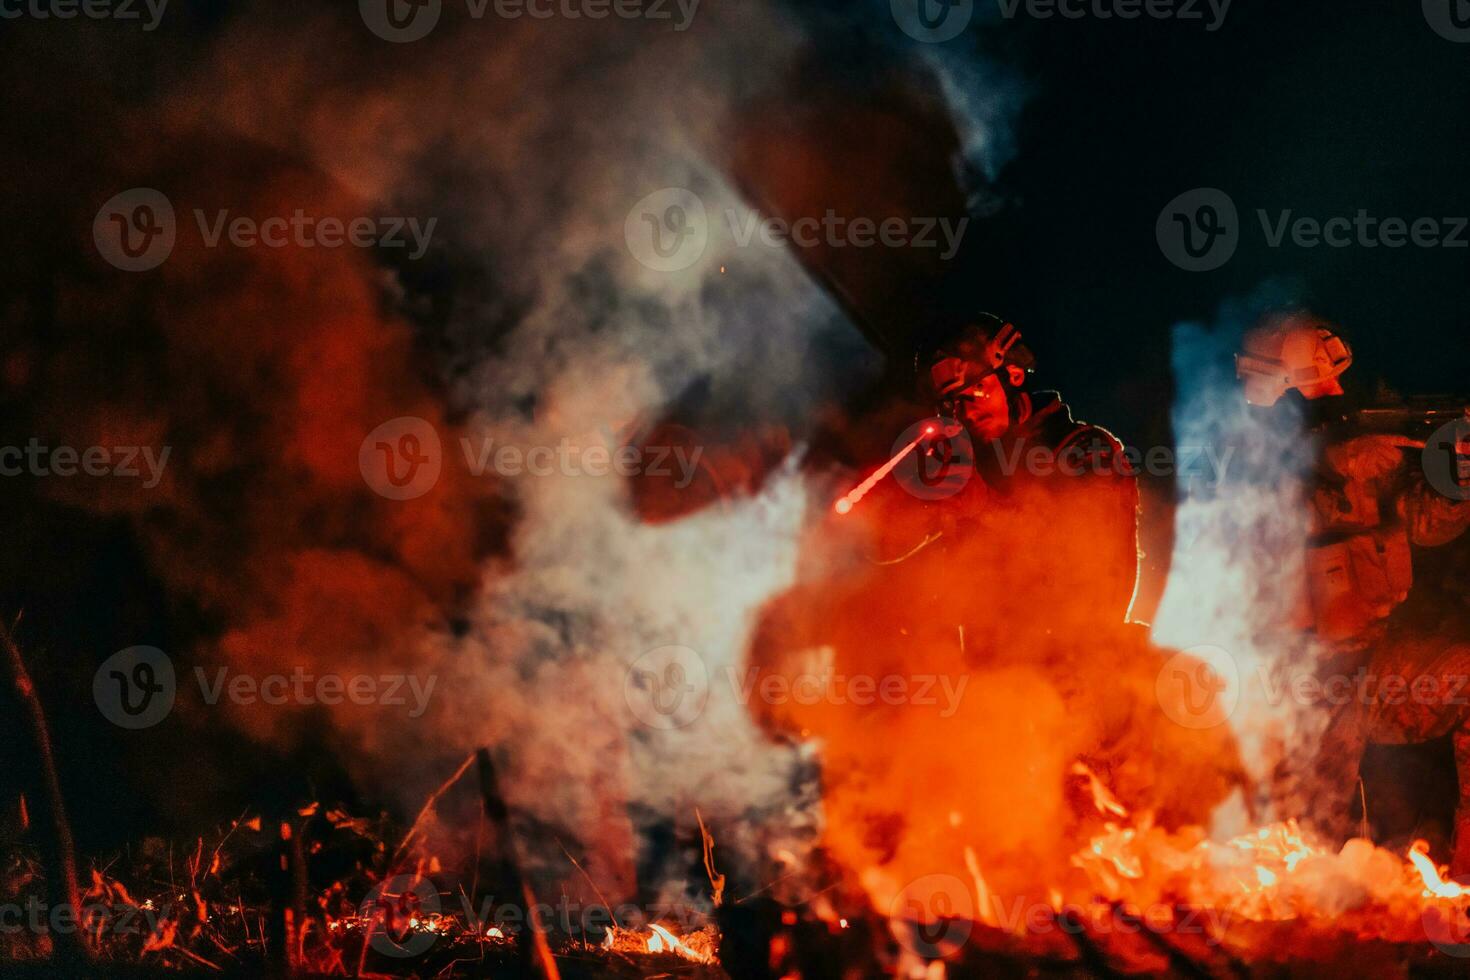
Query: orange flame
[(1102, 797), (662, 940), (1434, 883)]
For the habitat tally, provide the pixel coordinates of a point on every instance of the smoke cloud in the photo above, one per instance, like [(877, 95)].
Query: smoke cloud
[(530, 322), (1235, 596)]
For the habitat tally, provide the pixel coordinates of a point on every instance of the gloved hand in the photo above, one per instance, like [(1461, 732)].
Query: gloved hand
[(1368, 458)]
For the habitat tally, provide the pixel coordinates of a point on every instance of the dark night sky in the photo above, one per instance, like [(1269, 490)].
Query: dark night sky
[(1320, 108)]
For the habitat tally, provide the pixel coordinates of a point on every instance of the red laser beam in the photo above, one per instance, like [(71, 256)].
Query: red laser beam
[(857, 493)]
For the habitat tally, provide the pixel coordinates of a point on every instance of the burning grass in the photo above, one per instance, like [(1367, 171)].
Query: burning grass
[(217, 906), (338, 889)]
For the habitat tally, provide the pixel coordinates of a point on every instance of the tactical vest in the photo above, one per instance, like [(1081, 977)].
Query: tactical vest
[(1358, 562)]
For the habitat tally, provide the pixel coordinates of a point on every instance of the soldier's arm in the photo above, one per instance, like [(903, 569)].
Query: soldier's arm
[(1432, 518), (1111, 480)]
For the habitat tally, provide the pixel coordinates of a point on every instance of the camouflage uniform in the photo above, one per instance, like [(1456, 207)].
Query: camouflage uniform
[(1394, 656)]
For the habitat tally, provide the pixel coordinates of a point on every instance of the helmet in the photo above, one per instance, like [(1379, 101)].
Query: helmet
[(961, 356), (1297, 350)]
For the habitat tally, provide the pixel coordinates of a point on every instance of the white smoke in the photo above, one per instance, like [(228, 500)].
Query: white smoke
[(1236, 590), (531, 141)]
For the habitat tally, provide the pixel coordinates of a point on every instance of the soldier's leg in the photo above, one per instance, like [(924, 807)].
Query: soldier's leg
[(1460, 860), (1324, 790), (1423, 692), (1317, 751), (1419, 689)]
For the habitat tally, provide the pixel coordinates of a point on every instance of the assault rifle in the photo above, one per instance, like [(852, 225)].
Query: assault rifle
[(1424, 422), (1419, 415)]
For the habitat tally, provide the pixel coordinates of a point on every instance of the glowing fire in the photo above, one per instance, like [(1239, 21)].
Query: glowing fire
[(1434, 884), (1102, 797), (699, 948), (1273, 873)]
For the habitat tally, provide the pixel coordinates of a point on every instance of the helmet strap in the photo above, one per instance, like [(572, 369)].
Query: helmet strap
[(1018, 401)]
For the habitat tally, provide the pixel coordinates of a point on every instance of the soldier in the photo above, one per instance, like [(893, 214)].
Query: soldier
[(1000, 559), (1392, 671), (1358, 548), (1051, 502)]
